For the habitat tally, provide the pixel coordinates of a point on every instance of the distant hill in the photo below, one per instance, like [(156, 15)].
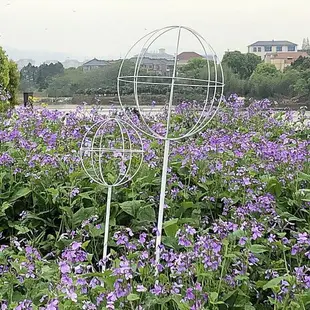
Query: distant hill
[(38, 57)]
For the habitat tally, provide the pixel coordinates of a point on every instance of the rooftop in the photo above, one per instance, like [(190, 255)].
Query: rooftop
[(287, 55), (188, 55), (272, 43), (161, 54), (96, 62)]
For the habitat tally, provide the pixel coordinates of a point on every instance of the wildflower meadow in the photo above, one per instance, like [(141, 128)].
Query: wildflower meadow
[(236, 228)]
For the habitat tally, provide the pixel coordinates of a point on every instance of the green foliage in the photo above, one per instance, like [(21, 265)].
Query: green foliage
[(4, 69), (14, 78), (266, 69), (29, 75), (46, 73), (206, 189), (241, 64), (195, 68), (39, 78), (9, 80)]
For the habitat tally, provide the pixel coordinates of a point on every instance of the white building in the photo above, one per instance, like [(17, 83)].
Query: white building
[(261, 48)]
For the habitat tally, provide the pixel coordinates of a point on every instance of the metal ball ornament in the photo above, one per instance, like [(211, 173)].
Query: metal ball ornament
[(111, 154), (144, 74)]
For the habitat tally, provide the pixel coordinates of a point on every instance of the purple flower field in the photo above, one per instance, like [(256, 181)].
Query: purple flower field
[(237, 216)]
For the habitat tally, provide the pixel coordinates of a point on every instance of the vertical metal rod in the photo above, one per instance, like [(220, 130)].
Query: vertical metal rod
[(172, 82), (162, 199), (106, 228)]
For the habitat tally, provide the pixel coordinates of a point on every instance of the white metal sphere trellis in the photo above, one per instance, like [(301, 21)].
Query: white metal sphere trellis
[(92, 151), (213, 86)]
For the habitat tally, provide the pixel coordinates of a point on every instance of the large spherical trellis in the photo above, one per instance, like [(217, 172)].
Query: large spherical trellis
[(111, 154), (177, 85)]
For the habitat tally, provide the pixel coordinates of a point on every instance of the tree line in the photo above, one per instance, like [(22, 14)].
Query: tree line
[(9, 80), (245, 74)]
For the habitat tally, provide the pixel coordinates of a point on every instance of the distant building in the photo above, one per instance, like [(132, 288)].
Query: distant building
[(48, 62), (94, 64), (24, 62), (159, 63), (260, 48), (283, 59), (71, 63), (185, 57)]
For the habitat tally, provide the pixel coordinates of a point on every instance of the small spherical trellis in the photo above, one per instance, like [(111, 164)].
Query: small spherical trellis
[(111, 154), (176, 84)]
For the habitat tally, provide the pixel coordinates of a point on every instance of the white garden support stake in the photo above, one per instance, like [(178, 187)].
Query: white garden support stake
[(124, 151), (162, 70)]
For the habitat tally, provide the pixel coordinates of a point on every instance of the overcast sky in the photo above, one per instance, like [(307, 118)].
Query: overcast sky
[(107, 28)]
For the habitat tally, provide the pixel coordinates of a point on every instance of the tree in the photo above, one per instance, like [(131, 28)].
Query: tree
[(28, 76), (241, 64), (302, 85), (9, 79), (302, 63), (14, 78), (46, 73), (4, 69), (194, 67), (266, 69), (305, 44), (264, 80), (233, 83)]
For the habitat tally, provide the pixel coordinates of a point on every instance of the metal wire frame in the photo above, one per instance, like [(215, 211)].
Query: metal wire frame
[(99, 177), (205, 117)]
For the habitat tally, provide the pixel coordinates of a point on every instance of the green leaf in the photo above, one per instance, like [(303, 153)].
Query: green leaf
[(273, 283), (296, 219), (146, 213), (187, 204), (85, 244), (213, 296), (34, 217), (171, 227), (22, 192), (171, 242), (274, 186), (133, 297), (4, 207), (131, 207), (258, 248), (303, 177), (55, 194), (21, 229), (47, 272), (67, 210), (82, 215), (181, 305), (239, 233), (85, 196)]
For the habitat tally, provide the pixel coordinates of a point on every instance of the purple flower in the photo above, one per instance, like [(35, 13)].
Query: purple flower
[(141, 288), (74, 192), (243, 241), (24, 305), (71, 295), (157, 290), (142, 238), (52, 305), (190, 230), (76, 245), (190, 294), (64, 267)]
